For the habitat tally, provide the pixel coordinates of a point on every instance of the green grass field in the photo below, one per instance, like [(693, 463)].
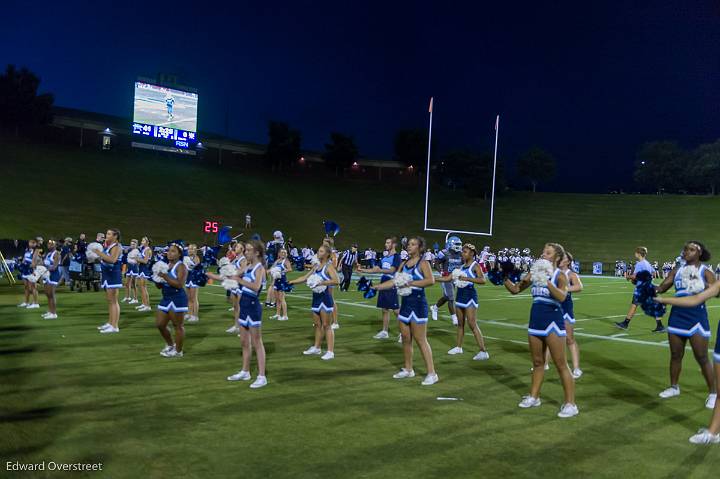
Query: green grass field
[(57, 191), (72, 395)]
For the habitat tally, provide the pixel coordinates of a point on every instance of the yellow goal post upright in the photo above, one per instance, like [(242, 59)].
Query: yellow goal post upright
[(6, 270)]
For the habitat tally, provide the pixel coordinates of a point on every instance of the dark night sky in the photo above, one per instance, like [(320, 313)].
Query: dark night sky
[(588, 81)]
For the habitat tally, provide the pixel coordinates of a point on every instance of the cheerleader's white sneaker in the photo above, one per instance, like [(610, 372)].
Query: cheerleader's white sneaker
[(125, 300), (32, 306), (434, 312), (670, 392), (481, 356), (312, 350), (430, 379), (704, 436), (106, 325), (568, 410), (282, 318), (172, 353), (109, 330), (381, 335), (49, 316), (328, 356), (22, 305), (133, 301), (455, 350), (259, 382), (240, 376), (529, 401), (232, 330), (404, 374), (166, 349)]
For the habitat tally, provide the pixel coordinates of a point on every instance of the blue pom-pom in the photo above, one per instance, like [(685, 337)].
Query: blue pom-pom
[(370, 293), (653, 309), (362, 283), (281, 284), (514, 276), (644, 288), (496, 277), (201, 278)]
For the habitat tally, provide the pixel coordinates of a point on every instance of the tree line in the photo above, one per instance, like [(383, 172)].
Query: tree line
[(665, 167)]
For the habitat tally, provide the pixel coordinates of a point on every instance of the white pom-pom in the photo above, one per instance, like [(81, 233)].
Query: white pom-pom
[(401, 279), (275, 272), (692, 280), (188, 262), (230, 284), (133, 256), (456, 273), (541, 271), (91, 251), (404, 291), (41, 272), (157, 269), (313, 282), (160, 267), (223, 261), (228, 270)]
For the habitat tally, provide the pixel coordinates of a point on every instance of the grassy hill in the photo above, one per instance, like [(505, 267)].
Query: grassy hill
[(57, 191)]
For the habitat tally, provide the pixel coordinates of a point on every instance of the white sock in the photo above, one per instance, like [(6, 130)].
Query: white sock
[(454, 317)]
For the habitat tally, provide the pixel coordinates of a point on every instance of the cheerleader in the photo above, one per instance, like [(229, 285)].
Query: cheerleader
[(466, 300), (26, 269), (711, 434), (322, 276), (131, 271), (52, 263), (284, 266), (144, 274), (174, 303), (547, 325), (574, 285), (250, 319), (193, 264), (414, 275), (240, 263), (690, 324), (111, 270), (335, 262), (237, 257), (642, 265), (387, 299)]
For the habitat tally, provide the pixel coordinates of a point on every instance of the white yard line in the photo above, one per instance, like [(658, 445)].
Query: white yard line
[(498, 322)]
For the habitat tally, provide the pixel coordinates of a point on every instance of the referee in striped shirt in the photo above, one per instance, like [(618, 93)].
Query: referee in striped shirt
[(348, 262)]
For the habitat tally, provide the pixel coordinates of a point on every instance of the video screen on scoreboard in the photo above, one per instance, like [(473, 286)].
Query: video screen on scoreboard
[(165, 113)]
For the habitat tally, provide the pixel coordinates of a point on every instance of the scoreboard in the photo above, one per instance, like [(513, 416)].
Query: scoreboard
[(164, 117)]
